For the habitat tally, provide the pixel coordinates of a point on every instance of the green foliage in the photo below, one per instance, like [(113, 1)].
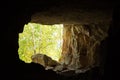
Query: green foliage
[(37, 38)]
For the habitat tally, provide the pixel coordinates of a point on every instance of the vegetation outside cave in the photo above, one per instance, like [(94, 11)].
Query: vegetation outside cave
[(38, 38)]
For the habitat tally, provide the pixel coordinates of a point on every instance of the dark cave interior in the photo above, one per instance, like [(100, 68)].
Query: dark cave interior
[(94, 16)]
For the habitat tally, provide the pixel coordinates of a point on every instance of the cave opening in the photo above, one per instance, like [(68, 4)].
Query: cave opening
[(80, 42), (61, 47), (92, 46), (37, 39)]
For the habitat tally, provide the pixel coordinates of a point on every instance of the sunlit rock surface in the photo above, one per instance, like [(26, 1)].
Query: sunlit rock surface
[(44, 60), (81, 45)]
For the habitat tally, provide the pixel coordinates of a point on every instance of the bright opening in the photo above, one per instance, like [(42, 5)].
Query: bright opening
[(38, 38)]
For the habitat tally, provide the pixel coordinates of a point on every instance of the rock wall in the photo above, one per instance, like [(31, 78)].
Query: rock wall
[(81, 44)]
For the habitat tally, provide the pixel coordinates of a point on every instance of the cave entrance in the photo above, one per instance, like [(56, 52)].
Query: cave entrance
[(72, 47), (40, 39)]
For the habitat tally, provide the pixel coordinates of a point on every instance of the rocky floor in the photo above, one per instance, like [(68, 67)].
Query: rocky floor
[(90, 74), (78, 74)]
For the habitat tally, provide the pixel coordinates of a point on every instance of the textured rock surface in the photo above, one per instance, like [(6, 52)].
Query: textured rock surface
[(81, 45), (44, 60)]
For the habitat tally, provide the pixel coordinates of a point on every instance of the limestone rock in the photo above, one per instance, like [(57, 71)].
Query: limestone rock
[(44, 60)]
